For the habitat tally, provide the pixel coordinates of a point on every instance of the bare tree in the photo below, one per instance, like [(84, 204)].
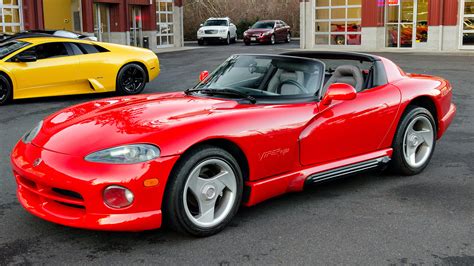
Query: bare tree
[(242, 12)]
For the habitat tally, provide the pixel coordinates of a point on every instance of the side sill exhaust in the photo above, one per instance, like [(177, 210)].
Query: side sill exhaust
[(347, 170)]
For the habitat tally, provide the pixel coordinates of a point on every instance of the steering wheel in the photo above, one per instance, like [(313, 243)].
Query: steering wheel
[(295, 83)]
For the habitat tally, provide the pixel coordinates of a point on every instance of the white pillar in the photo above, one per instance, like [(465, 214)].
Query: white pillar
[(307, 27), (178, 22)]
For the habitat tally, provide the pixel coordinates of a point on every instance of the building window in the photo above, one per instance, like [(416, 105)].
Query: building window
[(11, 17), (164, 23), (468, 24), (102, 22), (338, 22), (401, 18)]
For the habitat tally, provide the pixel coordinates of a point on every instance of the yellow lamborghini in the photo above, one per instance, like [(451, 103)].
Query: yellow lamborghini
[(39, 65)]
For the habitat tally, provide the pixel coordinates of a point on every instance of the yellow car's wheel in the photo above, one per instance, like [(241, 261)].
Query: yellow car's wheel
[(131, 79), (5, 90)]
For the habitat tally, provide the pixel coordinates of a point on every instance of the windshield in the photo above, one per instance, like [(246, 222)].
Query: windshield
[(263, 25), (10, 47), (267, 76), (216, 22)]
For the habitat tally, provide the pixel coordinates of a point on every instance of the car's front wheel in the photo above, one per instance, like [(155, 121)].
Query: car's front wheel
[(131, 79), (414, 142), (6, 91), (273, 39), (204, 192)]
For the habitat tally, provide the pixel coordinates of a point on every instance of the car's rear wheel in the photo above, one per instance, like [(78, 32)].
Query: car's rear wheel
[(204, 192), (131, 79), (273, 39), (414, 142), (288, 38), (6, 90)]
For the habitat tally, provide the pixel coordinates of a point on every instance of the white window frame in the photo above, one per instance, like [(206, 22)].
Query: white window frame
[(462, 16), (19, 24), (329, 20), (399, 23), (170, 25)]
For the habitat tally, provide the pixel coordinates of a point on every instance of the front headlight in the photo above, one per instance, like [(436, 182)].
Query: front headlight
[(128, 154), (223, 31), (200, 31), (31, 135)]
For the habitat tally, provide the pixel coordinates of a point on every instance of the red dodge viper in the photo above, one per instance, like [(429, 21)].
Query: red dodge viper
[(257, 127)]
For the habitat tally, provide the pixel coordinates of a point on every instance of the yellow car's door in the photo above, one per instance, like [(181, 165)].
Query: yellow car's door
[(98, 67), (55, 72)]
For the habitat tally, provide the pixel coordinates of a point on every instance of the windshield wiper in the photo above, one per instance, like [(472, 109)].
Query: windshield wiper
[(225, 91)]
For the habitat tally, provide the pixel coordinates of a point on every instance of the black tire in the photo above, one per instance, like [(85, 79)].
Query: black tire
[(6, 90), (399, 163), (174, 212), (131, 79), (200, 42), (247, 43), (273, 40), (228, 40), (288, 38)]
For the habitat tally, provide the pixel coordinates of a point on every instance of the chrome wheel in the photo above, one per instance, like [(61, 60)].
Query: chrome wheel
[(210, 193), (132, 80), (288, 37), (272, 40), (418, 141)]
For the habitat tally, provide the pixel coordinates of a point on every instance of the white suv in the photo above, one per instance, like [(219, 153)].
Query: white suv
[(217, 29)]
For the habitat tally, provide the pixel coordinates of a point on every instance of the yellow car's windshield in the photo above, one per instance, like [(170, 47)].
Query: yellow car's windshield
[(10, 47)]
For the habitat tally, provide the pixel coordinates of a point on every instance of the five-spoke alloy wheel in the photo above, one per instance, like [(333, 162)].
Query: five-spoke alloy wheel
[(131, 79), (204, 191), (414, 142)]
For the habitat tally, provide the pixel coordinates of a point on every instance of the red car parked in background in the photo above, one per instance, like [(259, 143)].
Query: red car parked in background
[(268, 31)]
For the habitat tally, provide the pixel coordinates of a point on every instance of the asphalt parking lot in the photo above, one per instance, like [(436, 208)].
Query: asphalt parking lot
[(368, 219)]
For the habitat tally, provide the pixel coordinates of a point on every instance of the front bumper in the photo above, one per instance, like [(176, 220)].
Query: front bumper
[(212, 37), (67, 190), (257, 39)]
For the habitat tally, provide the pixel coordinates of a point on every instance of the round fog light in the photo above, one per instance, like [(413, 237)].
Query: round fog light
[(118, 197)]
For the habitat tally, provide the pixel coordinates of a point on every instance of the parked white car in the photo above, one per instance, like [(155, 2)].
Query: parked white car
[(217, 29)]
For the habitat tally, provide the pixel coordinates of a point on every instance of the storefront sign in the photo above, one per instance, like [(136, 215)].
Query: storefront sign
[(393, 2), (381, 3)]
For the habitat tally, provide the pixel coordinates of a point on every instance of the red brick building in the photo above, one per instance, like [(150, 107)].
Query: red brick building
[(151, 23)]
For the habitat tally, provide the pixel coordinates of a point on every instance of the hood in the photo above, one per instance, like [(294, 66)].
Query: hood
[(214, 28), (97, 125), (258, 31)]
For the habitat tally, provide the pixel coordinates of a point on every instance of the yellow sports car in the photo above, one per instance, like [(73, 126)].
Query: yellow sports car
[(39, 65)]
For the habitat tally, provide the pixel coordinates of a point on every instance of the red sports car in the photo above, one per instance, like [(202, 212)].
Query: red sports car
[(259, 126)]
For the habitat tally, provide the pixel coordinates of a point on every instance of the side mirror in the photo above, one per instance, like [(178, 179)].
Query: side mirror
[(340, 92), (201, 25), (204, 74), (25, 58)]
